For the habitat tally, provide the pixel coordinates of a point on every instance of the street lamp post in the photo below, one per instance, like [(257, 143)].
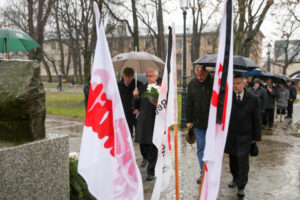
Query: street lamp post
[(184, 5), (269, 58)]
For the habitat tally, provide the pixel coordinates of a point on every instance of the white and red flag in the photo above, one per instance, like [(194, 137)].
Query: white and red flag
[(220, 108), (107, 161), (166, 116)]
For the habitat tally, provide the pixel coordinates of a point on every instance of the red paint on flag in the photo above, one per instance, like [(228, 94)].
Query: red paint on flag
[(99, 116), (215, 98), (224, 108), (169, 138)]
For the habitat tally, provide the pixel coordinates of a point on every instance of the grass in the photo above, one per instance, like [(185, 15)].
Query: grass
[(296, 135), (65, 104), (53, 85), (72, 105)]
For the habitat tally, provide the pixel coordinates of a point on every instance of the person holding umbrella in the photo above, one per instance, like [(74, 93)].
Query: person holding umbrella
[(293, 96), (261, 92), (283, 97), (126, 87), (268, 119)]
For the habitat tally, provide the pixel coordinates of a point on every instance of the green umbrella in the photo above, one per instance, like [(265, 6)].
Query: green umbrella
[(12, 40)]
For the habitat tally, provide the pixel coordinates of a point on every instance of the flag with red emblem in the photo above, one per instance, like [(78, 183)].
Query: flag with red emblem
[(220, 108), (107, 161), (166, 116)]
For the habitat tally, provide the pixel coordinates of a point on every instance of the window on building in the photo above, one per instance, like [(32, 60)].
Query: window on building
[(179, 58), (178, 43), (209, 41), (53, 45)]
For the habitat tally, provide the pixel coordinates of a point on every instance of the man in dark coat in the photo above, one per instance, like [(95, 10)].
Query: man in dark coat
[(126, 87), (261, 92), (244, 129), (268, 119), (197, 109), (145, 124), (293, 96)]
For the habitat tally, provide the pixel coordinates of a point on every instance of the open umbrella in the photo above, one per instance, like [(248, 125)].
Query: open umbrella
[(139, 61), (12, 40), (239, 62)]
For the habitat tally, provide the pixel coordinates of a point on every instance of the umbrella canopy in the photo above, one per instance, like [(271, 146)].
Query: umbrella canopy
[(239, 62), (139, 61), (266, 75), (14, 40)]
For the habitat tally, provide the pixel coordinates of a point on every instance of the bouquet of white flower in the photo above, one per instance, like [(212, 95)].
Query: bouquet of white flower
[(152, 93)]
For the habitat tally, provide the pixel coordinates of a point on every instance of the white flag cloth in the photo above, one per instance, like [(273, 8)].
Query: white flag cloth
[(220, 108), (107, 160), (166, 116)]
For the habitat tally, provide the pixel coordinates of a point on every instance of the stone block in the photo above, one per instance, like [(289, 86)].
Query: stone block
[(22, 101), (36, 170)]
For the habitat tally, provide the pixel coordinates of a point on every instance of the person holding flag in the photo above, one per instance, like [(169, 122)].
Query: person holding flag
[(107, 160), (244, 129)]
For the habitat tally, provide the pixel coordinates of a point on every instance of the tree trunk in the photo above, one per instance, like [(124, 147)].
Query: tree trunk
[(135, 26), (160, 31), (60, 44)]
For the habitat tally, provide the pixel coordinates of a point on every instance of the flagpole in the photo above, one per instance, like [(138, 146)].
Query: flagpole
[(201, 186), (176, 161)]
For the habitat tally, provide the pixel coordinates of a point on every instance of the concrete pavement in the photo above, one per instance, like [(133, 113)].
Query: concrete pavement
[(274, 174)]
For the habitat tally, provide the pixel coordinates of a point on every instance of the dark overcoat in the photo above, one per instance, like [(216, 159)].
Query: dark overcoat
[(145, 118), (244, 125), (126, 93)]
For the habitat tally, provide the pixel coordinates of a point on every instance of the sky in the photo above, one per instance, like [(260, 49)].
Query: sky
[(268, 27)]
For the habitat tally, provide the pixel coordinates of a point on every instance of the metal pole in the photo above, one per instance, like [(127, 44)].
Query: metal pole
[(269, 61), (183, 94)]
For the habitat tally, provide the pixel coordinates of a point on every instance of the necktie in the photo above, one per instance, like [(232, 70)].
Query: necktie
[(239, 99)]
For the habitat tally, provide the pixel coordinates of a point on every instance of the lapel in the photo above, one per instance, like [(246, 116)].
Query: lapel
[(244, 100)]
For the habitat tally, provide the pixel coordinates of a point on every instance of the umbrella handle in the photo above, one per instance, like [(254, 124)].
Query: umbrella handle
[(135, 80)]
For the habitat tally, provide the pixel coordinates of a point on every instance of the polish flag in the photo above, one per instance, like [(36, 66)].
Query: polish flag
[(220, 108), (166, 116), (107, 160)]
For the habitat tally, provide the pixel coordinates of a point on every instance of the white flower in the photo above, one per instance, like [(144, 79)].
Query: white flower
[(74, 155)]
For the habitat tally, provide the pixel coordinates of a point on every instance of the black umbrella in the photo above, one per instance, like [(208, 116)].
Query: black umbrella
[(239, 62)]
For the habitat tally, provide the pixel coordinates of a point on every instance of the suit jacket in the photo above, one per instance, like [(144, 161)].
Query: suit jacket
[(145, 118), (244, 125)]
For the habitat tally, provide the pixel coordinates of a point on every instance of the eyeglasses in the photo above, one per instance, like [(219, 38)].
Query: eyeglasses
[(150, 75)]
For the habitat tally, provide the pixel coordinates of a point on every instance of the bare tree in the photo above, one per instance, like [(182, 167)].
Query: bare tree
[(203, 12), (249, 18), (149, 10), (288, 48), (31, 16)]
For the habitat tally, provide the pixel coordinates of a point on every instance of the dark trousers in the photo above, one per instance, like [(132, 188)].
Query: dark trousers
[(280, 111), (290, 108), (239, 168), (149, 152), (268, 117)]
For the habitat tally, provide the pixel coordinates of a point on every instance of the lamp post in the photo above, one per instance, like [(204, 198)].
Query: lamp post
[(184, 5), (269, 59)]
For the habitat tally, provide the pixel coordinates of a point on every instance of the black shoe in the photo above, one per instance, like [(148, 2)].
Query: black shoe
[(144, 163), (149, 178), (240, 193), (288, 117), (232, 184)]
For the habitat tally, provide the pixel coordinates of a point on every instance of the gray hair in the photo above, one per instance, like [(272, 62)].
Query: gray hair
[(152, 69)]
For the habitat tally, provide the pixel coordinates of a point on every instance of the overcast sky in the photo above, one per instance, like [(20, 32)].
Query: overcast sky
[(268, 27)]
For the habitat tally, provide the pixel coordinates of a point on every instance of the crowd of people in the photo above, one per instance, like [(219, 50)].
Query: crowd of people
[(253, 109)]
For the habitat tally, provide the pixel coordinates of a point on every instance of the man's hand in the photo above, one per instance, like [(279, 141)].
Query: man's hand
[(270, 89), (135, 111), (136, 92), (189, 125)]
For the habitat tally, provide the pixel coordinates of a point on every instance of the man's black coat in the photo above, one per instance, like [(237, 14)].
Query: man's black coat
[(244, 125), (145, 118), (126, 93)]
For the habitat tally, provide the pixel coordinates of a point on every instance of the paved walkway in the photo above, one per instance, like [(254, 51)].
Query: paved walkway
[(274, 174)]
